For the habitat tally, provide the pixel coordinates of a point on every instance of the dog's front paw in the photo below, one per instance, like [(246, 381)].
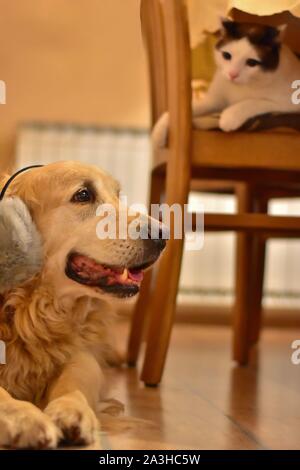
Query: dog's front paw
[(24, 426), (74, 417), (230, 120)]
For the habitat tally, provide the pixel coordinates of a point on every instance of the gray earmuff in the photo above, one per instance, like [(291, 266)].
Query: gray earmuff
[(20, 242)]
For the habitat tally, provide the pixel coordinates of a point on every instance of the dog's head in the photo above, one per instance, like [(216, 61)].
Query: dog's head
[(65, 201)]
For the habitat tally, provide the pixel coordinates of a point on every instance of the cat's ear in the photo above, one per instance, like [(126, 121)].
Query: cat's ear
[(281, 29), (227, 25), (223, 20), (273, 34)]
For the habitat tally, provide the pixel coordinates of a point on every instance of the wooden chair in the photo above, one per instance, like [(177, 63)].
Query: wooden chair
[(262, 165)]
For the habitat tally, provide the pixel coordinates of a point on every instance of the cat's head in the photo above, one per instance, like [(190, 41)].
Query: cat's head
[(246, 51)]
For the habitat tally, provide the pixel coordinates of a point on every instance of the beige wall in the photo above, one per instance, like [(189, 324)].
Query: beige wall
[(71, 60)]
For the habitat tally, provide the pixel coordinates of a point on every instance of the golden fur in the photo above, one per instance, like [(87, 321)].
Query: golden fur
[(56, 330)]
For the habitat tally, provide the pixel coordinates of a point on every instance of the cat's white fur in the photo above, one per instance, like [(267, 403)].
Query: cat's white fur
[(253, 91)]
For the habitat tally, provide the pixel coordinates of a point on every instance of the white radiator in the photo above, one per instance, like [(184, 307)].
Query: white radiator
[(123, 153)]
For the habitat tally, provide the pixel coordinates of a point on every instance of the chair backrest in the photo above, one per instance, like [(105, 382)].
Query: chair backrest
[(154, 41), (167, 39), (165, 33)]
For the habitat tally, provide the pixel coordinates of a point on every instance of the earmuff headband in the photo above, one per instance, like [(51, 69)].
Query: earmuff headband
[(5, 187)]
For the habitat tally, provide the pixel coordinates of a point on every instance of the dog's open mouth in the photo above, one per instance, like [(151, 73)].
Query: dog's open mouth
[(120, 281)]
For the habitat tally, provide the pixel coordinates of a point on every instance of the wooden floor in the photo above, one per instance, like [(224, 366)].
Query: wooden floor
[(206, 402)]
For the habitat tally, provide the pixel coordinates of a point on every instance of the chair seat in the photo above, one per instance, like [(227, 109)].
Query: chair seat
[(266, 150), (234, 153)]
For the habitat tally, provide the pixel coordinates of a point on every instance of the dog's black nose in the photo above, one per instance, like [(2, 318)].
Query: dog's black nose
[(160, 243), (161, 234)]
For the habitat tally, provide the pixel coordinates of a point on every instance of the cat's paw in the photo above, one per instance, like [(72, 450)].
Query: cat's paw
[(23, 426), (74, 417), (230, 120)]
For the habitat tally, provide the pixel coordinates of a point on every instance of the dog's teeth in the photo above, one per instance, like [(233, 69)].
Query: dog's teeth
[(123, 276), (83, 274)]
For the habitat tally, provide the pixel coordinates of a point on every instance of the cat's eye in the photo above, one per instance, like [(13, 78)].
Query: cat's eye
[(253, 62), (226, 55), (83, 195)]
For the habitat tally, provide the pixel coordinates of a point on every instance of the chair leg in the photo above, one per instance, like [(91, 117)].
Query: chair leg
[(259, 253), (142, 306), (163, 306), (258, 265), (138, 321), (163, 300), (242, 308)]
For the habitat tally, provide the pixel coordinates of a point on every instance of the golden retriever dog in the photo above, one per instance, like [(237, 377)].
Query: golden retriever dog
[(56, 327)]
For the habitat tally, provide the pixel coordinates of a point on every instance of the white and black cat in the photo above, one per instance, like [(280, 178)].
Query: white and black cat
[(254, 76)]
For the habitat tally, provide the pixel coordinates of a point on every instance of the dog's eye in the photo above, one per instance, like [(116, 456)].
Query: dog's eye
[(83, 195), (226, 55), (253, 62)]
